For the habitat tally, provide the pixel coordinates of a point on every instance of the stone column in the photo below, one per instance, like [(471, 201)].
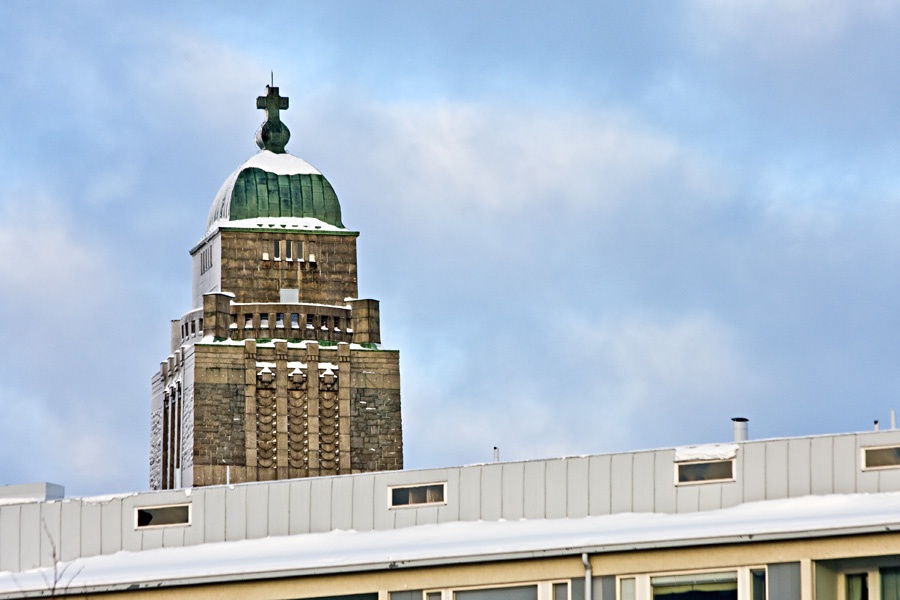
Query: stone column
[(250, 404), (281, 410), (312, 405), (343, 351)]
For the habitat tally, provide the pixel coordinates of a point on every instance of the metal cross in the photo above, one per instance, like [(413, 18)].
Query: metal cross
[(272, 103)]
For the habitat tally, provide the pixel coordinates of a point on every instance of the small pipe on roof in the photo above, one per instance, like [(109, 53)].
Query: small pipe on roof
[(893, 420), (741, 429), (876, 424), (496, 454), (588, 576)]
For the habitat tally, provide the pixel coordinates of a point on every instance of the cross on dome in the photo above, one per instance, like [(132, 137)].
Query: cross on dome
[(272, 102), (273, 134)]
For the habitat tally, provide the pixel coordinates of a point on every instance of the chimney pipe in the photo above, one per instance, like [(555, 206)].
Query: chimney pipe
[(740, 429), (496, 454)]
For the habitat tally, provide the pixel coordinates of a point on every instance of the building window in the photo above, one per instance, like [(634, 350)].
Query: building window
[(884, 457), (721, 586), (279, 320), (758, 584), (744, 583), (857, 587), (626, 588), (890, 583), (295, 320), (415, 495), (288, 244), (706, 471), (263, 320), (248, 321), (519, 592), (276, 250), (162, 516)]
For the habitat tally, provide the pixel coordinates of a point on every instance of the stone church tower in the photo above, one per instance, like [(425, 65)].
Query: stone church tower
[(277, 371)]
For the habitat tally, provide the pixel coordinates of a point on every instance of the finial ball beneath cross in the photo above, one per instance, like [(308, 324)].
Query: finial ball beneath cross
[(273, 134)]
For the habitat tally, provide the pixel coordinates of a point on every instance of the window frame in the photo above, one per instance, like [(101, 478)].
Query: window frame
[(391, 488), (544, 588), (190, 516), (864, 462), (643, 587), (679, 464)]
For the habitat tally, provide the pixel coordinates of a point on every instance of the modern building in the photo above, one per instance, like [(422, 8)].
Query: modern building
[(277, 371), (784, 519)]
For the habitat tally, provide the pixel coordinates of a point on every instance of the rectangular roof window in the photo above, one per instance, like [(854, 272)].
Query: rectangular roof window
[(707, 471), (146, 517), (885, 457), (415, 495)]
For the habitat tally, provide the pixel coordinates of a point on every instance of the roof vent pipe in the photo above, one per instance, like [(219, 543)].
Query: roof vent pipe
[(496, 454), (740, 429)]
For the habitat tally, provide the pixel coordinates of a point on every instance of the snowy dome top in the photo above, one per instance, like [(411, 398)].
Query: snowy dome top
[(275, 185)]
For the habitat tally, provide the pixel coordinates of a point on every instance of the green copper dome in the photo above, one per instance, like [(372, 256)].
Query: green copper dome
[(275, 185)]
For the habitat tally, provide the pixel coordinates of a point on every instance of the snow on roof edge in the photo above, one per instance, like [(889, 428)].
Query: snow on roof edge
[(454, 542)]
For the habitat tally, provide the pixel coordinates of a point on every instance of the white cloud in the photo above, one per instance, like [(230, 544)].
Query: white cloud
[(489, 160)]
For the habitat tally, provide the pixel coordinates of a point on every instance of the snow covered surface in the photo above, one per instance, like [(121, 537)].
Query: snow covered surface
[(340, 551), (211, 341), (304, 223), (280, 164), (706, 452)]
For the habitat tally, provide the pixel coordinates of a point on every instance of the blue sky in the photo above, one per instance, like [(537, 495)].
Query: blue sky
[(592, 227)]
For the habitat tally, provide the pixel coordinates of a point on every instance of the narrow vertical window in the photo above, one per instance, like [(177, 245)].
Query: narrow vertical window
[(276, 250), (857, 587), (295, 320), (300, 250), (890, 583), (248, 321), (758, 582), (626, 589), (288, 244), (263, 320), (309, 322), (279, 320)]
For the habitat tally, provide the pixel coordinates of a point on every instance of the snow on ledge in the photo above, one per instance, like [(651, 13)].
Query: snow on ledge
[(706, 452)]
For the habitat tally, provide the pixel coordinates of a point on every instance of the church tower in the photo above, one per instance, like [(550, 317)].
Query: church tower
[(277, 372)]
